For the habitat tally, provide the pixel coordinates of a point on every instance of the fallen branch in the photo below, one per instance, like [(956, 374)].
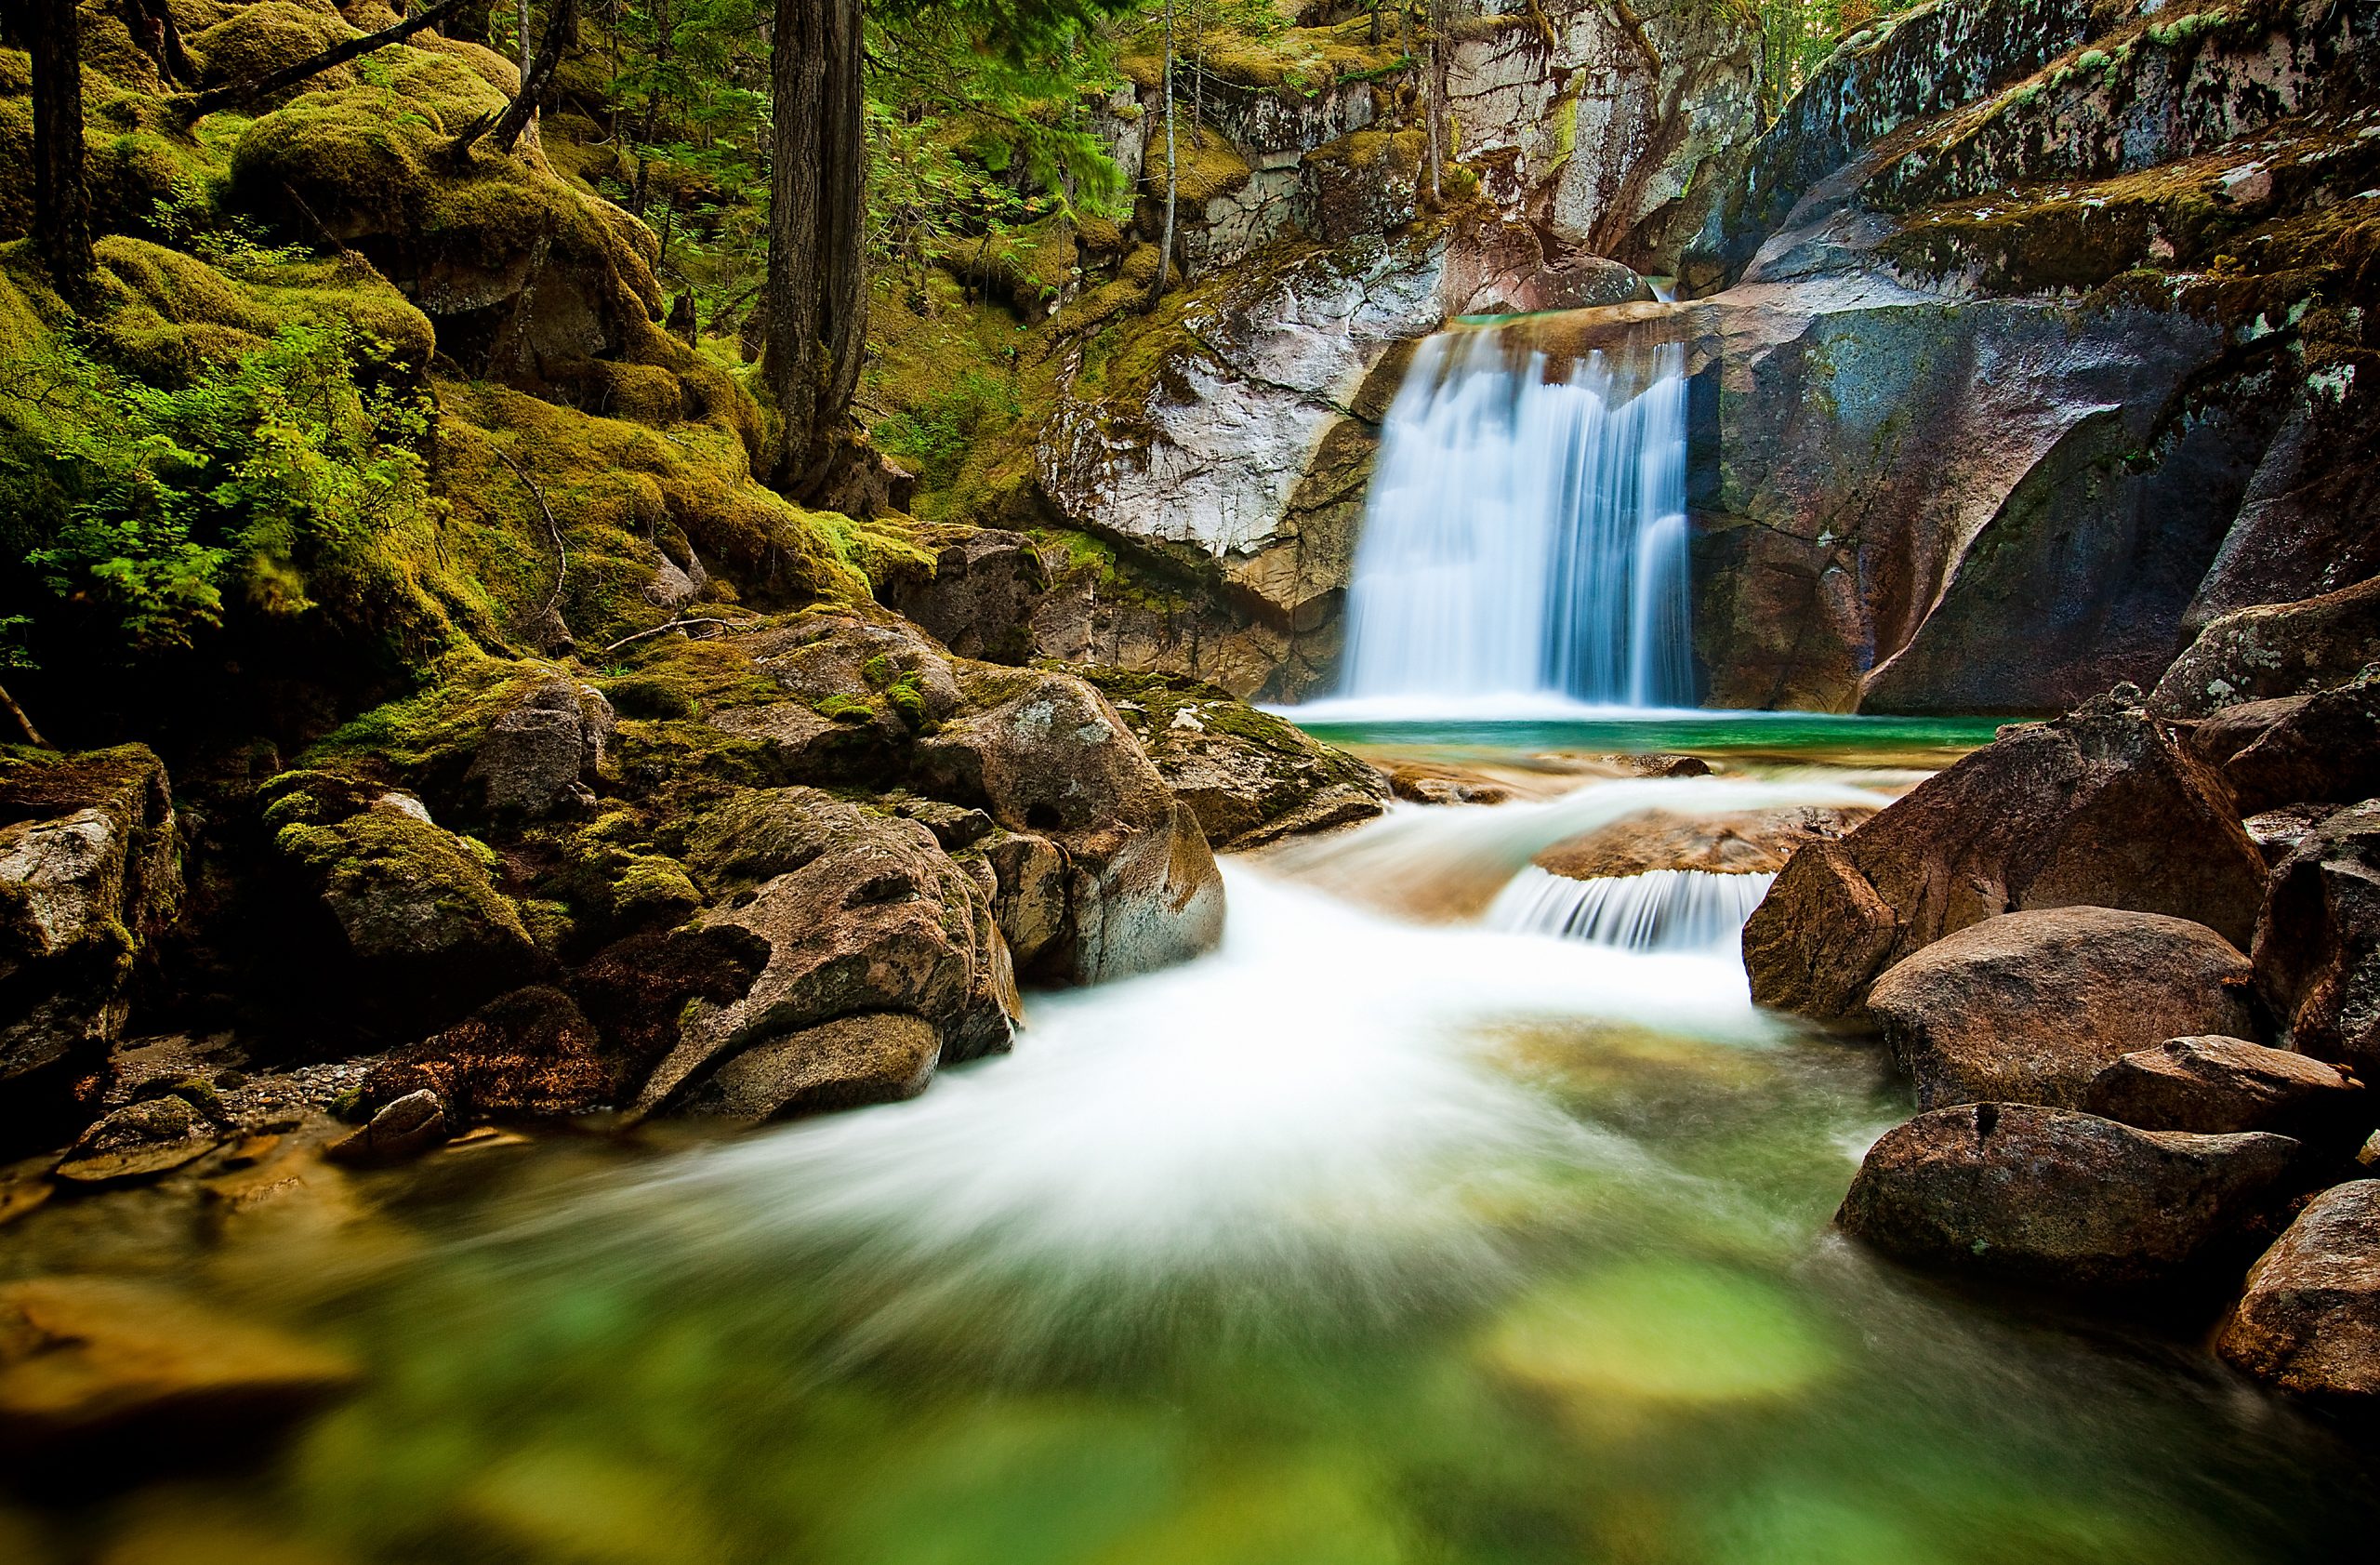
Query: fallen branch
[(561, 553), (562, 30), (669, 625), (32, 735), (198, 105)]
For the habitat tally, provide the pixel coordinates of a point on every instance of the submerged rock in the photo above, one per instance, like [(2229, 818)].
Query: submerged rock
[(85, 1361), (2031, 1007), (2065, 1200), (2309, 1320), (2102, 807), (139, 1140), (2220, 1085), (1756, 841), (90, 874)]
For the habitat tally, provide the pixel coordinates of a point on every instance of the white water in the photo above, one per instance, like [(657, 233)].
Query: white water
[(1659, 910), (1525, 538)]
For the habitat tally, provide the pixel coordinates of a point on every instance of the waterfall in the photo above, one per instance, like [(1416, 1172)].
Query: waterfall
[(1660, 911), (1525, 532)]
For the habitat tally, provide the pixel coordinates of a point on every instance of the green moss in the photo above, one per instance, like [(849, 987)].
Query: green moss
[(843, 708)]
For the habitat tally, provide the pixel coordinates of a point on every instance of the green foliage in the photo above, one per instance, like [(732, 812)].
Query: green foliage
[(150, 511), (932, 439)]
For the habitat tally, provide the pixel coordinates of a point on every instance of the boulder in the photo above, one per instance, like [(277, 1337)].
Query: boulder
[(860, 914), (541, 752), (142, 1139), (90, 876), (2053, 1196), (402, 913), (2102, 808), (2309, 1320), (1754, 841), (2031, 1007), (2323, 748), (2318, 940), (529, 1053), (979, 597), (89, 1362), (1044, 753), (399, 1130), (876, 1057), (2218, 1086), (2274, 650), (1248, 777)]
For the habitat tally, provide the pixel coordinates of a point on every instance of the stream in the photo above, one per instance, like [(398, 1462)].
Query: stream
[(1364, 1240)]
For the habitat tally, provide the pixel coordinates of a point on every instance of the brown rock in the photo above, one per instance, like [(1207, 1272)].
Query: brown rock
[(2296, 749), (532, 1053), (406, 1128), (2274, 650), (2031, 1007), (2053, 1196), (980, 597), (84, 1359), (2222, 1085), (859, 913), (879, 1056), (541, 752), (2318, 940), (139, 1140), (2102, 808), (2310, 1320), (1756, 841)]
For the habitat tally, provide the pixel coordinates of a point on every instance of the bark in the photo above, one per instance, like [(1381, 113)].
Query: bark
[(561, 31), (154, 30), (61, 199), (24, 723), (1172, 169), (1434, 100), (816, 299), (233, 94)]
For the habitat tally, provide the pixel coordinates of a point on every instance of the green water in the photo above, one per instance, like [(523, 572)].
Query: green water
[(1355, 1244), (1838, 738)]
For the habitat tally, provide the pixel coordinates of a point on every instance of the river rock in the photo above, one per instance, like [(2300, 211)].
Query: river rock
[(529, 1053), (979, 597), (860, 913), (1248, 777), (88, 1360), (542, 751), (2102, 807), (403, 1128), (2309, 1320), (1756, 842), (2318, 940), (2275, 650), (2296, 749), (2221, 1085), (141, 1140), (1046, 754), (90, 875), (2053, 1196), (2031, 1007), (877, 1056), (402, 914)]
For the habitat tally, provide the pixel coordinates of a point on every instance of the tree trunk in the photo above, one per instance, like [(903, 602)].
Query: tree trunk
[(24, 723), (61, 200), (1172, 169), (562, 30), (1433, 100), (816, 294)]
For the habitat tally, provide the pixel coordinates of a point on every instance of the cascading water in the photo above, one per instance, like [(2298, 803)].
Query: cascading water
[(1660, 911), (1525, 532)]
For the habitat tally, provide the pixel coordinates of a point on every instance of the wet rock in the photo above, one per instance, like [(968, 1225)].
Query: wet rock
[(2102, 808), (2274, 650), (2296, 749), (2065, 1200), (404, 1128), (403, 915), (541, 751), (2310, 1320), (1030, 890), (141, 1140), (1756, 842), (879, 1056), (2031, 1007), (1248, 777), (531, 1053), (1044, 753), (90, 875), (1421, 783), (858, 913), (639, 991), (2220, 1085), (2318, 940), (92, 1363)]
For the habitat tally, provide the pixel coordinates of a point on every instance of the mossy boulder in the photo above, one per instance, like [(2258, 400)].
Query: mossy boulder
[(404, 913), (90, 879), (256, 39)]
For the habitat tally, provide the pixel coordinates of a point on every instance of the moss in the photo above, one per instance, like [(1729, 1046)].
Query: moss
[(1211, 166), (259, 39), (843, 708)]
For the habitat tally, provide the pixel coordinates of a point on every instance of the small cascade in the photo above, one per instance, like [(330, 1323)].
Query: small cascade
[(1660, 911), (1525, 531)]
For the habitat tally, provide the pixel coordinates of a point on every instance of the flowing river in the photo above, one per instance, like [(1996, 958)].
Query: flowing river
[(1364, 1240)]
